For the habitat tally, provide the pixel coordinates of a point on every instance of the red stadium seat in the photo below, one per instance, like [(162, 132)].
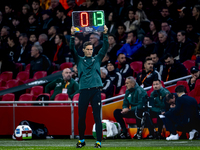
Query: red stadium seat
[(137, 67), (23, 76), (76, 97), (27, 82), (66, 65), (55, 71), (195, 92), (28, 67), (25, 97), (188, 64), (8, 97), (60, 97), (35, 91), (19, 67), (5, 76), (12, 83), (151, 90), (46, 94), (103, 96), (122, 90), (39, 74)]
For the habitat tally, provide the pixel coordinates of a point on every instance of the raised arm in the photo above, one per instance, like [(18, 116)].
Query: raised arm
[(72, 45), (103, 50)]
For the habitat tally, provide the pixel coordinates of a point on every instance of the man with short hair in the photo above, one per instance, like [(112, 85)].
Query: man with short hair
[(183, 117), (157, 64), (195, 76), (132, 45), (121, 35), (89, 84), (123, 66), (37, 10), (40, 62), (165, 26), (33, 25), (133, 97), (165, 15), (164, 45), (174, 69), (96, 42), (66, 84), (47, 21), (148, 75), (108, 88), (191, 33), (184, 48)]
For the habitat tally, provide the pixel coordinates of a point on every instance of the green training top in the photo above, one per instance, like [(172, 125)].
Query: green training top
[(89, 67)]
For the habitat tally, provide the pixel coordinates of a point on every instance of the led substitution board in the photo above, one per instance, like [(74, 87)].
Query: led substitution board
[(88, 21)]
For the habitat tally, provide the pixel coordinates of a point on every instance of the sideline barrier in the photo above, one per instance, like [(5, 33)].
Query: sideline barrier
[(57, 118)]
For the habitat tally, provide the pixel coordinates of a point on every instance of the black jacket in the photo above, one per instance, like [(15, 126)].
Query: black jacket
[(191, 86), (62, 54), (154, 75), (159, 67), (126, 70), (107, 87), (184, 50), (42, 63), (177, 70)]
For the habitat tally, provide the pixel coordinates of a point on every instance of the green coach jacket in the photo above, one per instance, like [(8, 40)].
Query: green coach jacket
[(59, 84), (133, 97), (159, 96), (89, 67)]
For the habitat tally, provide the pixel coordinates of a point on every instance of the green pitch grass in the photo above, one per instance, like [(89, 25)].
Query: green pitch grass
[(109, 144)]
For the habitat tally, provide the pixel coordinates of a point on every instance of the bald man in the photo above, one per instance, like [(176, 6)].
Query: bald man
[(66, 84)]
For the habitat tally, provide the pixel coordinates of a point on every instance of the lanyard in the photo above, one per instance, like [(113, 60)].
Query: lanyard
[(168, 74), (146, 77), (66, 84)]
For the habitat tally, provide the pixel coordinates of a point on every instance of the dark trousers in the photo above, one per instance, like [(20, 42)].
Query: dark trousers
[(131, 114), (92, 96)]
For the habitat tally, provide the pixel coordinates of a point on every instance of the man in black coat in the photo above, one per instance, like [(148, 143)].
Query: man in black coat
[(157, 64), (173, 69), (184, 115), (195, 76), (184, 48)]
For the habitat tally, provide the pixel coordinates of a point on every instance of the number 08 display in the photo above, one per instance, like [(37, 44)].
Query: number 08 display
[(88, 21)]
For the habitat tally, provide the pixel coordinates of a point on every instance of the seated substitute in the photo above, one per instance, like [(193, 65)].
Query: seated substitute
[(158, 95), (183, 117), (148, 75), (63, 85), (195, 76), (108, 88), (133, 97)]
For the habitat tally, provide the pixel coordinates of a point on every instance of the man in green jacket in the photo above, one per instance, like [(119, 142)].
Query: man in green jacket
[(133, 97), (63, 85), (158, 95), (89, 84)]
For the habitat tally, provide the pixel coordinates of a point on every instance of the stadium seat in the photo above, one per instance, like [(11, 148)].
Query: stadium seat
[(43, 97), (195, 92), (122, 90), (35, 91), (114, 90), (66, 65), (39, 74), (5, 76), (137, 67), (103, 96), (76, 97), (28, 67), (25, 97), (188, 64), (60, 97), (23, 76), (151, 90), (51, 92), (55, 71), (12, 83), (8, 97), (27, 82), (19, 67)]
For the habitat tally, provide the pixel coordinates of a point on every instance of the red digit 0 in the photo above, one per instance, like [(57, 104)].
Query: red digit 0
[(86, 22)]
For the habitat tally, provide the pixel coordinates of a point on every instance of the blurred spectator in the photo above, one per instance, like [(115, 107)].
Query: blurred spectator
[(79, 44), (89, 5), (120, 34), (46, 46), (184, 48), (165, 15), (52, 34), (5, 32), (148, 75), (111, 23), (33, 38), (12, 46), (130, 20), (33, 27), (23, 51), (154, 10), (154, 29), (165, 26), (195, 76), (37, 10), (25, 14), (138, 5), (132, 45), (72, 7), (16, 25), (146, 49), (105, 60), (8, 16), (164, 45), (47, 21), (123, 66), (107, 83), (191, 34), (64, 22), (121, 10), (61, 51), (171, 4), (196, 17), (157, 64), (96, 42), (1, 20), (66, 84), (113, 46), (75, 73), (40, 62), (115, 76), (182, 19), (174, 69), (54, 6)]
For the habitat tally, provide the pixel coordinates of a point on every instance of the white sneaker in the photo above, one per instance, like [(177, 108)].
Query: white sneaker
[(172, 137), (192, 134)]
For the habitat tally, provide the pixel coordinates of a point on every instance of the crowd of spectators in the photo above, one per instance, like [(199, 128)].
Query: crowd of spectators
[(160, 33)]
